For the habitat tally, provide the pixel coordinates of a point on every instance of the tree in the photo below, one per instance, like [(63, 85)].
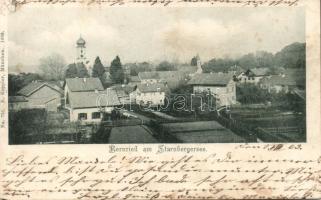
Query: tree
[(218, 65), (16, 82), (76, 70), (194, 61), (52, 67), (291, 56), (71, 71), (248, 93), (116, 71), (165, 66), (248, 61), (26, 123), (82, 70), (98, 68), (135, 68)]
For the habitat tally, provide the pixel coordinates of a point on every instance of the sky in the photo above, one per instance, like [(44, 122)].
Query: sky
[(149, 34)]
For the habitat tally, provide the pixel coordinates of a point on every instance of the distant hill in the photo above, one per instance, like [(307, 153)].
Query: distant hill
[(291, 56)]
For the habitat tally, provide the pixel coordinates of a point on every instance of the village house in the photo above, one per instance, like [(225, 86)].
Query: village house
[(173, 79), (91, 106), (123, 92), (133, 80), (148, 77), (235, 70), (41, 94), (86, 99), (220, 85), (81, 85), (279, 83), (150, 93), (188, 70), (253, 75)]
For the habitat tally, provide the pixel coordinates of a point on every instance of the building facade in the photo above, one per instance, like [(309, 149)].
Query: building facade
[(152, 94), (253, 75), (42, 95), (220, 85), (87, 100)]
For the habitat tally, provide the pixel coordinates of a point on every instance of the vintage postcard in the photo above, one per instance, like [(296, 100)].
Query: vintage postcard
[(160, 99)]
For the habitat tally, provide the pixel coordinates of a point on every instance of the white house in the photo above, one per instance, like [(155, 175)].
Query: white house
[(253, 75), (279, 83), (220, 85), (90, 106), (86, 99), (82, 85), (150, 93)]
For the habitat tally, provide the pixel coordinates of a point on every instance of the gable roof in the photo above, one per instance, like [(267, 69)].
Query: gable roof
[(84, 84), (125, 88), (280, 80), (134, 79), (215, 79), (92, 99), (171, 75), (260, 71), (148, 75), (154, 87), (35, 86)]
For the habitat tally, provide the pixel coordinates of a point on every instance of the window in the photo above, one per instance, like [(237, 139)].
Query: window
[(95, 115), (82, 116), (67, 99)]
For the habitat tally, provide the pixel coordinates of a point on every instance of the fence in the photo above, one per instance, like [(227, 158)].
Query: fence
[(124, 122), (238, 128)]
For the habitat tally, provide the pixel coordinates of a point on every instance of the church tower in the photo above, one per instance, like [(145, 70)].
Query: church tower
[(81, 51), (199, 65)]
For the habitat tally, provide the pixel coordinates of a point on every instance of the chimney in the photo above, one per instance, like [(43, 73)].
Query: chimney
[(85, 80)]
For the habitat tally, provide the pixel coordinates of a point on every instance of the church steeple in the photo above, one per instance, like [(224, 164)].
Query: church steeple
[(81, 50), (199, 65)]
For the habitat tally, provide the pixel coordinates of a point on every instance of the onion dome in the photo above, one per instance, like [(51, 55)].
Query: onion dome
[(81, 42)]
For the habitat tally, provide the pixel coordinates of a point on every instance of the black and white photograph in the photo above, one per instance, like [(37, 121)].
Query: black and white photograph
[(177, 75)]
